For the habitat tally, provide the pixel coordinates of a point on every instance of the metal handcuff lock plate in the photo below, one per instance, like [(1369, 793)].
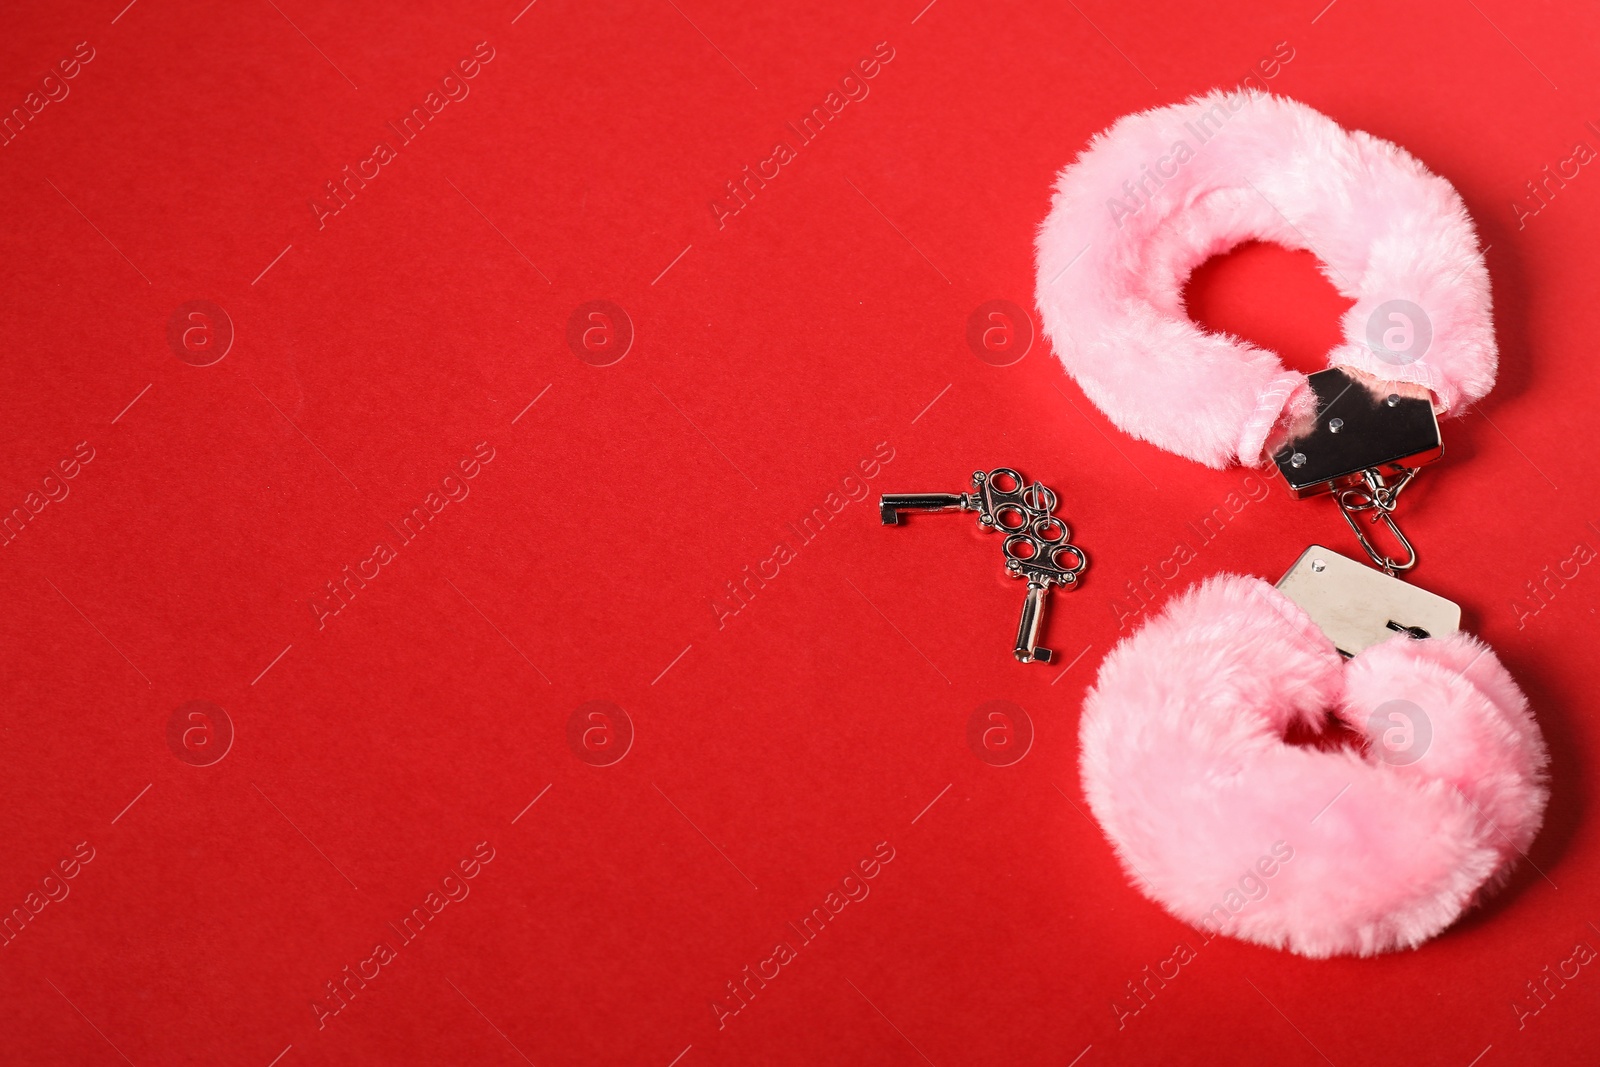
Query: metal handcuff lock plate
[(1359, 440)]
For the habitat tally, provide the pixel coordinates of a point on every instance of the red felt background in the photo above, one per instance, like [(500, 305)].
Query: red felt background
[(773, 748)]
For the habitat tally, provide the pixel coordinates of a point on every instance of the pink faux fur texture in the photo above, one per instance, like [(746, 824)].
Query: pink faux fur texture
[(1185, 766), (1162, 191)]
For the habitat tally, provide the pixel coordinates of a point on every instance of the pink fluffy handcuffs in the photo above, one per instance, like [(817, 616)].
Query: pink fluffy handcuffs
[(1185, 763)]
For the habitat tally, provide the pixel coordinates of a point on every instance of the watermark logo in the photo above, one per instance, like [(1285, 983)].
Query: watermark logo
[(599, 733), (1399, 332), (453, 87), (599, 332), (50, 889), (51, 88), (738, 592), (453, 887), (1149, 586), (1543, 189), (1550, 581), (1543, 987), (852, 87), (1142, 190), (740, 991), (999, 332), (52, 490), (340, 592), (1401, 732), (1250, 888), (200, 733), (1000, 733), (200, 333)]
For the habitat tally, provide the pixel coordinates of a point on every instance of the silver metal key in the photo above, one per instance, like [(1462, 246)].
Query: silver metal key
[(1036, 547)]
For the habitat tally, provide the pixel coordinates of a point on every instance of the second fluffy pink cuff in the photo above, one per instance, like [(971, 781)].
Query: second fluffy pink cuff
[(1321, 851)]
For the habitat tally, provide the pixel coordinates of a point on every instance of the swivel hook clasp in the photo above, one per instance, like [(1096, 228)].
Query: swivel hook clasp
[(1377, 495)]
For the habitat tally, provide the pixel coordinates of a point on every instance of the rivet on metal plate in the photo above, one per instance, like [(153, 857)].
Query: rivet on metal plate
[(1357, 606)]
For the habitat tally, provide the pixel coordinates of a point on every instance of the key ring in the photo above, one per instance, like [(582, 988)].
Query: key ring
[(1036, 546), (1184, 753)]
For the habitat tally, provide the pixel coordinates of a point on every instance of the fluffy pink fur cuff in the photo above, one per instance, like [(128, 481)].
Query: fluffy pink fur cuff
[(1322, 851), (1162, 191)]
